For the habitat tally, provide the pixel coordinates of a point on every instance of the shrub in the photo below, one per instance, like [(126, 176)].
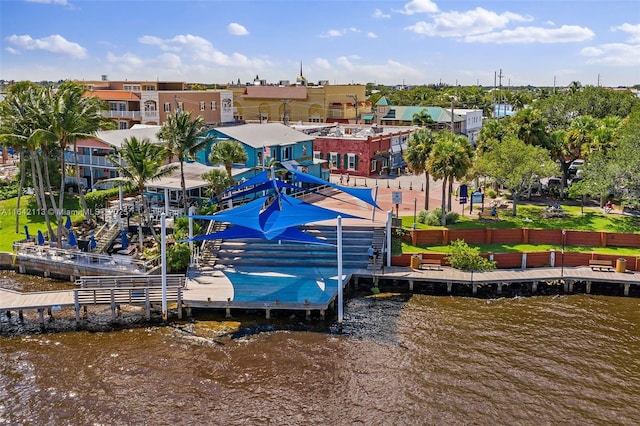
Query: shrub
[(178, 256), (434, 217), (422, 216), (467, 258), (491, 193)]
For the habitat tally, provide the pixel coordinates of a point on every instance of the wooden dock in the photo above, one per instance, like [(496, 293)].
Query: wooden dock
[(214, 291)]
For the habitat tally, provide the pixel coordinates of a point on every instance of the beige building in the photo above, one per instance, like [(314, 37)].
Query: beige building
[(150, 102), (308, 104)]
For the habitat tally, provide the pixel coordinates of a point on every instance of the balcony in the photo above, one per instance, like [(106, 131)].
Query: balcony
[(132, 115), (88, 160)]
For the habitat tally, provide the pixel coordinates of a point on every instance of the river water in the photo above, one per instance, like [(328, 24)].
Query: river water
[(400, 360)]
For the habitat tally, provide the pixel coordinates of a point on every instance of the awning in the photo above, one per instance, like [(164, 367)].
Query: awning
[(368, 117)]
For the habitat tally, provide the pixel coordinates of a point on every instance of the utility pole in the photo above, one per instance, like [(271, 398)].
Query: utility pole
[(500, 94), (554, 84), (355, 101)]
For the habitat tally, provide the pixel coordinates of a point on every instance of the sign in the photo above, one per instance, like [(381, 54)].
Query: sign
[(477, 197), (396, 197), (463, 200)]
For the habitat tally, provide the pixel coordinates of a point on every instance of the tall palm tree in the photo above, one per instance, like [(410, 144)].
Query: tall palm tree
[(450, 159), (218, 181), (185, 136), (70, 117), (423, 119), (227, 153), (141, 162), (416, 155)]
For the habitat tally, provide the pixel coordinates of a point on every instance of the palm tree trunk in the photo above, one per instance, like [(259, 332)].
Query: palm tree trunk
[(449, 205), (426, 191), (45, 210), (443, 217), (61, 195), (45, 162), (20, 187), (514, 210), (34, 180)]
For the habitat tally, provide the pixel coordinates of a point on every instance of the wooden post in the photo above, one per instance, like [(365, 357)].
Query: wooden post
[(267, 313), (308, 315), (570, 286), (588, 287), (499, 289), (41, 317), (534, 287), (179, 303), (474, 289), (147, 304), (411, 285), (626, 289), (322, 314), (76, 303), (449, 287), (113, 305)]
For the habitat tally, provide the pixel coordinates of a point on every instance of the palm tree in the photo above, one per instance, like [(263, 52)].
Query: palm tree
[(141, 162), (450, 159), (423, 119), (416, 155), (70, 116), (227, 153), (218, 182), (185, 137)]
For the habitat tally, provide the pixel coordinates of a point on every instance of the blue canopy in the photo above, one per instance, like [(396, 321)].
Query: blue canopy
[(240, 232), (72, 239), (26, 231), (40, 238), (67, 224), (123, 239)]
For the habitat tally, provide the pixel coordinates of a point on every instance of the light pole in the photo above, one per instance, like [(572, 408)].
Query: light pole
[(564, 234)]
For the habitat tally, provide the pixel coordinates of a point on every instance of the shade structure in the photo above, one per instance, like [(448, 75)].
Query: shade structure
[(67, 224), (280, 214), (92, 243), (40, 238), (238, 232), (26, 231), (123, 239), (72, 239)]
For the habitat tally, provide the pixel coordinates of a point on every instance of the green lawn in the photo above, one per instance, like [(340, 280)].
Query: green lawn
[(530, 216), (30, 216)]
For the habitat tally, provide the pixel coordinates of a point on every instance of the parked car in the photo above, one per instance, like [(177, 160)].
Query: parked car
[(575, 166)]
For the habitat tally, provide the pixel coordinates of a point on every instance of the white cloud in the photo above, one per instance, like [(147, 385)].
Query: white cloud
[(632, 30), (237, 29), (322, 63), (418, 6), (372, 35), (564, 34), (12, 50), (379, 14), (332, 33), (54, 44), (616, 54), (457, 24)]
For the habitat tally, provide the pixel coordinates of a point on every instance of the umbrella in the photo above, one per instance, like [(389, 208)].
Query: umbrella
[(72, 239), (26, 231), (40, 238), (92, 243), (123, 239), (67, 224)]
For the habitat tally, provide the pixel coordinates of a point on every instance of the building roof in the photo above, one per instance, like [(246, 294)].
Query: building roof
[(383, 101), (192, 176), (275, 92), (406, 113), (117, 137), (114, 95), (267, 134)]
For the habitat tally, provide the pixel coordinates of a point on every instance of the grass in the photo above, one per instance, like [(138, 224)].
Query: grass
[(530, 216), (30, 216)]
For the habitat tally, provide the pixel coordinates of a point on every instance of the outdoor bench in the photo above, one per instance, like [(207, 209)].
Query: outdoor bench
[(601, 264), (431, 264), (487, 215)]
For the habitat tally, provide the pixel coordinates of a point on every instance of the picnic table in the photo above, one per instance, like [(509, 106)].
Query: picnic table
[(554, 212)]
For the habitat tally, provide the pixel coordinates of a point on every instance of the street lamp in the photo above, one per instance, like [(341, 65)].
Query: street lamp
[(564, 235)]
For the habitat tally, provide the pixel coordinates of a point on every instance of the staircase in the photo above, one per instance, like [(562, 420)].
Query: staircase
[(379, 246), (107, 238), (209, 248), (355, 242)]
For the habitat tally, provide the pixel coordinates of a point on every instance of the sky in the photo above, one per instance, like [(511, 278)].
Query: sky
[(415, 42)]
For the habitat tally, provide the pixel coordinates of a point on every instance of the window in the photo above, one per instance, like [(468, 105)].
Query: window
[(123, 125), (286, 153), (214, 105), (202, 105), (317, 154), (334, 160), (259, 158), (374, 165), (180, 106), (149, 88), (167, 107), (132, 87), (352, 162)]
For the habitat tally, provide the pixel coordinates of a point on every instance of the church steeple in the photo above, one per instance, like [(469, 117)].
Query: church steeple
[(301, 80)]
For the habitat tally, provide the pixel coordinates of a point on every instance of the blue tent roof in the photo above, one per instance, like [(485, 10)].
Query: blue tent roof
[(240, 232)]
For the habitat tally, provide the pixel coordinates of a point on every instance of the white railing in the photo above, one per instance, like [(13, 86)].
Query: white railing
[(88, 160), (77, 257), (121, 114)]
